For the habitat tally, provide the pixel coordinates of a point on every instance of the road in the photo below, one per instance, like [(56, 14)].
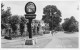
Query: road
[(64, 40), (59, 40)]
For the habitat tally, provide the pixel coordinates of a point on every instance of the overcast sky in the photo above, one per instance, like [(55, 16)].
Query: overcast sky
[(67, 8)]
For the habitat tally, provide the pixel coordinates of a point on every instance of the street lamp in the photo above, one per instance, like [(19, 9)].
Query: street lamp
[(30, 9)]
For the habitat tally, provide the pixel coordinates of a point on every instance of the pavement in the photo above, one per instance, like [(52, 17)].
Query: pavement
[(58, 40)]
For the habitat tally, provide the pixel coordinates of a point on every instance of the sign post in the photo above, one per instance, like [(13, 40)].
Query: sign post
[(30, 9)]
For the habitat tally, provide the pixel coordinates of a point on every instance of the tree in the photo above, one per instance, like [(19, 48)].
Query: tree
[(70, 25), (52, 16), (13, 21), (5, 14), (65, 25), (74, 24), (22, 24)]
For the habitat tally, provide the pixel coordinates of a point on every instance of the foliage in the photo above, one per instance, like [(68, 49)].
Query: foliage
[(23, 20), (5, 14), (22, 24), (70, 25), (13, 21), (52, 16), (46, 26), (58, 28)]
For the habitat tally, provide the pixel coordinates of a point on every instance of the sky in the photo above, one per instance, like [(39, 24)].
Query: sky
[(67, 8)]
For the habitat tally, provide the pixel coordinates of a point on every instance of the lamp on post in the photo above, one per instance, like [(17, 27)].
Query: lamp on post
[(30, 9)]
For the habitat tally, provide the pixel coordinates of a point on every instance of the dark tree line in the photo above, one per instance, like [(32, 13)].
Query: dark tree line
[(9, 20)]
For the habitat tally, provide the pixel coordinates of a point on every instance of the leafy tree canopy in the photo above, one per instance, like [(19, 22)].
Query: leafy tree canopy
[(52, 16), (5, 14), (70, 24)]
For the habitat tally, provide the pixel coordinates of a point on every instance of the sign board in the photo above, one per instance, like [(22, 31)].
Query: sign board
[(30, 8)]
